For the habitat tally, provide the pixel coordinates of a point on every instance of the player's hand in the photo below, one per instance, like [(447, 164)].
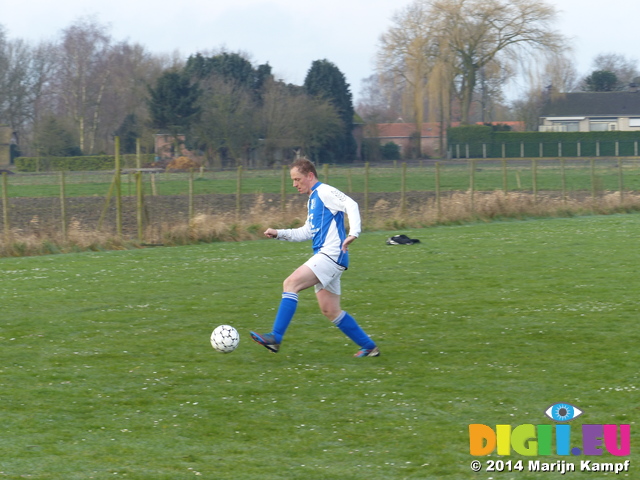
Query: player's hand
[(271, 233), (347, 242)]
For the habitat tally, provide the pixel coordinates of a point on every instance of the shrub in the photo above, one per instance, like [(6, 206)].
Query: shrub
[(390, 151), (85, 163)]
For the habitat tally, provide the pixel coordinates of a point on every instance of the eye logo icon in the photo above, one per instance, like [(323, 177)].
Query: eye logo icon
[(562, 412)]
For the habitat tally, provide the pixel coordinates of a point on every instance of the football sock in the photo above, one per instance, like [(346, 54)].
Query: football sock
[(287, 309), (351, 329)]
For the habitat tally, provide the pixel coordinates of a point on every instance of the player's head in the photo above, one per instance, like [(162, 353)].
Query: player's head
[(304, 175), (304, 166)]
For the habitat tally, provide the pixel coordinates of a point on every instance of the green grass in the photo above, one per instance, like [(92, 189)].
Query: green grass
[(106, 369), (488, 176)]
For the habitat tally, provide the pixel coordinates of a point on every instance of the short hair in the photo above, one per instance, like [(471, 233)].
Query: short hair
[(304, 166)]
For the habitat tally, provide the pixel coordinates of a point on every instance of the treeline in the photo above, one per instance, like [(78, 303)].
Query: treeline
[(73, 95), (235, 113)]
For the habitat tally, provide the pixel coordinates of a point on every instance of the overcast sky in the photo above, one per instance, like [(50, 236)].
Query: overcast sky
[(291, 34)]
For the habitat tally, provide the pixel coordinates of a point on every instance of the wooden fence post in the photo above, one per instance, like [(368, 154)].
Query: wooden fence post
[(593, 179), (239, 192), (472, 186), (505, 178), (366, 190), (138, 155), (154, 190), (5, 208), (563, 175), (620, 180), (140, 206), (118, 189), (283, 189), (403, 190), (191, 208), (63, 207), (534, 179), (439, 207)]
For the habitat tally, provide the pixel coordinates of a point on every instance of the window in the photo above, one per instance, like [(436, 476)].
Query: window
[(569, 126), (599, 126)]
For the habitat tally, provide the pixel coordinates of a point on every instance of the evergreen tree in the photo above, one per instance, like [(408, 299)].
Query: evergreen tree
[(231, 67), (129, 132), (173, 103), (54, 139), (325, 81), (601, 81)]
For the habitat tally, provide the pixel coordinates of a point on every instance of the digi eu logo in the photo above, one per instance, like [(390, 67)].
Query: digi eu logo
[(531, 440)]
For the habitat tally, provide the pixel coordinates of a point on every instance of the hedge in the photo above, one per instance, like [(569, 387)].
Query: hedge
[(89, 163), (476, 142)]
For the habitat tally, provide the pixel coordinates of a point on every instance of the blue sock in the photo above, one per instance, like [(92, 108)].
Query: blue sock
[(287, 309), (351, 329)]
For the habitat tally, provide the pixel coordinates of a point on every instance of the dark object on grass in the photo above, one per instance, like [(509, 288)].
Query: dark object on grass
[(401, 240)]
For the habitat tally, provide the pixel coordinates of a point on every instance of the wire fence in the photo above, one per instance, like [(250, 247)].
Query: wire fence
[(559, 149), (144, 197)]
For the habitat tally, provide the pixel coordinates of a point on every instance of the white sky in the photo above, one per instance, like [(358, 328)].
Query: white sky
[(291, 34)]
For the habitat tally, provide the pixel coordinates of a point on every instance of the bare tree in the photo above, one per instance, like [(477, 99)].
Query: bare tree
[(560, 74), (24, 72), (380, 99), (84, 60), (407, 55), (133, 69), (227, 130), (450, 43), (479, 32)]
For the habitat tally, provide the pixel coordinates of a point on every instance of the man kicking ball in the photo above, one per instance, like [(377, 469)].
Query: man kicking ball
[(325, 226)]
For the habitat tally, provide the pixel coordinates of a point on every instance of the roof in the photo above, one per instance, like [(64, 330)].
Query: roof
[(593, 104)]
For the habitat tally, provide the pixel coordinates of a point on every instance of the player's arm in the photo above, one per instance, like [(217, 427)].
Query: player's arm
[(347, 241), (336, 200), (355, 222), (290, 234)]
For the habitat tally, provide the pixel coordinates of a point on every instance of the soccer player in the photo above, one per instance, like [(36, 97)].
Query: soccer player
[(325, 226)]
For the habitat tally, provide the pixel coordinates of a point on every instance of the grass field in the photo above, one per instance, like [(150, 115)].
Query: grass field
[(488, 175), (106, 369)]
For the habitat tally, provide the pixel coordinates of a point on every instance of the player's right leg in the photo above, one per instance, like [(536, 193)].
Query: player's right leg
[(299, 280)]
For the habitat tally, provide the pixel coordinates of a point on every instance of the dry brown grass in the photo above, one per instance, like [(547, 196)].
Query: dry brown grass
[(455, 208)]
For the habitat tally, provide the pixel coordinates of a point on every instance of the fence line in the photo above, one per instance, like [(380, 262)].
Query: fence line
[(5, 207), (596, 177), (579, 149)]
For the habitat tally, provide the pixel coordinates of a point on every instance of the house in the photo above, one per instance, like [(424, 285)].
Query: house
[(402, 133), (592, 112), (165, 147)]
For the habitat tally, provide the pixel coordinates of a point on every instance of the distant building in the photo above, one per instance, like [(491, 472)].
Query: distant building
[(592, 112), (402, 133), (165, 147)]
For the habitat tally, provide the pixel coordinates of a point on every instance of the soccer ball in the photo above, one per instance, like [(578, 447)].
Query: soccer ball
[(225, 339)]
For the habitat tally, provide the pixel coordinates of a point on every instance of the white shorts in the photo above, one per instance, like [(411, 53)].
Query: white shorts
[(327, 271)]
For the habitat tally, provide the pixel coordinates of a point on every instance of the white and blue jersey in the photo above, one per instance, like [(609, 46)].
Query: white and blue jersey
[(325, 223)]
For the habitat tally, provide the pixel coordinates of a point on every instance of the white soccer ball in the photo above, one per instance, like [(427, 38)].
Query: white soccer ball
[(225, 338)]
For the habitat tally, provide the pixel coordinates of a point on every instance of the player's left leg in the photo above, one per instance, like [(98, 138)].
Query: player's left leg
[(329, 303)]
